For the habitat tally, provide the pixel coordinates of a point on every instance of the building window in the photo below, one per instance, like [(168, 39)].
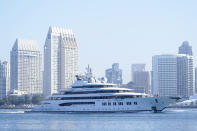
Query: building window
[(114, 103), (109, 103), (49, 36), (104, 103), (135, 103)]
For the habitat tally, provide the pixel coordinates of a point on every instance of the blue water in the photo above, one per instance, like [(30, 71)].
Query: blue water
[(169, 120)]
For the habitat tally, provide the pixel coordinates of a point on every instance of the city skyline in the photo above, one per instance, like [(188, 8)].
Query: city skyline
[(61, 67), (121, 28), (107, 65)]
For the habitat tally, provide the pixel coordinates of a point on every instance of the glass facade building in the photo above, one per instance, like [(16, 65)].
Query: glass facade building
[(173, 75), (185, 48), (140, 77), (136, 67), (114, 74)]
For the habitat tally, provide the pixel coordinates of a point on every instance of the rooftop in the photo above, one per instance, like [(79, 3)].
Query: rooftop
[(58, 30), (26, 44)]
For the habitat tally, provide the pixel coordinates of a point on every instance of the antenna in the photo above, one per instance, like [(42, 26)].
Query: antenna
[(88, 72)]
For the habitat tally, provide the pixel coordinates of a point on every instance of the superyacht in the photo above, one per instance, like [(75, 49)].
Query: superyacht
[(88, 94)]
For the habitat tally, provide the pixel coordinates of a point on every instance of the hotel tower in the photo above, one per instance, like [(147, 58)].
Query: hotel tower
[(26, 66), (4, 79), (60, 60)]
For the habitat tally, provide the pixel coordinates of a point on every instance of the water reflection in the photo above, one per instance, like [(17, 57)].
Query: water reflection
[(170, 119)]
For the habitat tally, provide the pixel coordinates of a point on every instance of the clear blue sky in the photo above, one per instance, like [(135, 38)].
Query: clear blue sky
[(107, 31)]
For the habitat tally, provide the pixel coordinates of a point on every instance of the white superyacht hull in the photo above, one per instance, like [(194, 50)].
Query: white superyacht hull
[(155, 104)]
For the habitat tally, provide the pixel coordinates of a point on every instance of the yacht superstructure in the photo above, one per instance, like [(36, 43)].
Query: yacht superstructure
[(90, 95)]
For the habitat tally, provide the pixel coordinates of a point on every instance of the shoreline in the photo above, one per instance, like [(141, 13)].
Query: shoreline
[(24, 107), (17, 107)]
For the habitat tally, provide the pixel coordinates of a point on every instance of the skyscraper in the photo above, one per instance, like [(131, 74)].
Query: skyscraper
[(141, 78), (114, 74), (26, 66), (173, 75), (185, 48), (4, 79), (60, 60), (137, 67), (196, 80)]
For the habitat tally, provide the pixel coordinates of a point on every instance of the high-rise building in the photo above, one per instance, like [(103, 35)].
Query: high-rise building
[(136, 89), (60, 60), (140, 77), (151, 75), (137, 67), (26, 66), (114, 74), (173, 75), (196, 80), (4, 79), (185, 48)]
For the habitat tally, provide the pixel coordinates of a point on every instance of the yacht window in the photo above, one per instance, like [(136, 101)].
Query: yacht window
[(104, 103), (128, 103), (120, 103), (88, 92), (109, 103), (122, 91), (93, 86), (76, 103), (46, 103), (65, 104), (114, 103), (57, 98), (94, 97), (135, 103), (49, 36)]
